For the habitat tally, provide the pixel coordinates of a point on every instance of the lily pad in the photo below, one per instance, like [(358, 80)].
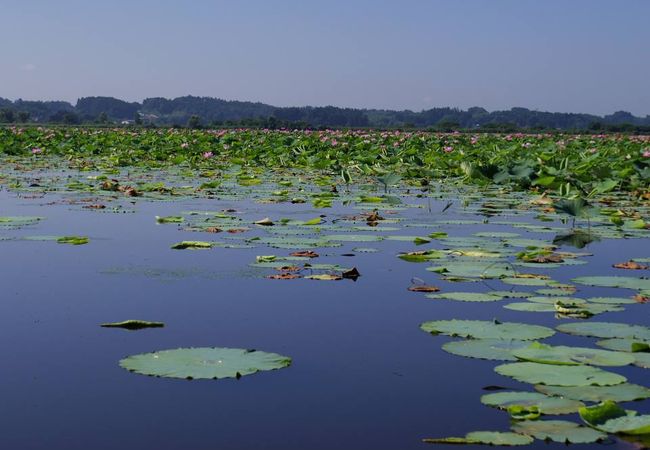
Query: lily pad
[(492, 349), (73, 240), (204, 363), (547, 405), (625, 392), (606, 330), (625, 345), (608, 416), (192, 245), (484, 438), (563, 355), (553, 375), (467, 296), (483, 329), (617, 282), (558, 431)]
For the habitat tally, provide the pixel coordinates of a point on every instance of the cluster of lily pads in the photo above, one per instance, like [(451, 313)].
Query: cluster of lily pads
[(348, 194)]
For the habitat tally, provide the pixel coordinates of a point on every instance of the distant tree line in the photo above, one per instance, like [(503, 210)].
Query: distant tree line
[(196, 112)]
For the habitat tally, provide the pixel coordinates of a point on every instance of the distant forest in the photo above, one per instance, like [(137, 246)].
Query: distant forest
[(196, 112)]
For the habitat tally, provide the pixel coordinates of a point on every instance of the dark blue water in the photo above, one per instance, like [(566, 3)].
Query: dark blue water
[(364, 376)]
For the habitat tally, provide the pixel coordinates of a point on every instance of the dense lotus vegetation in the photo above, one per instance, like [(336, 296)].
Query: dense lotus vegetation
[(485, 226), (567, 164)]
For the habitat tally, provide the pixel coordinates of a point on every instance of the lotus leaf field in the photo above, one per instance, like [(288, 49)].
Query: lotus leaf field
[(351, 289)]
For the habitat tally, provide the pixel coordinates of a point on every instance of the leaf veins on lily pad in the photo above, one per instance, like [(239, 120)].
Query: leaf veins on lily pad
[(553, 375), (484, 329), (558, 431), (204, 363), (484, 438), (545, 404)]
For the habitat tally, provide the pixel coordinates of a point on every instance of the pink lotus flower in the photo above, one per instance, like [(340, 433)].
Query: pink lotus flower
[(448, 149), (185, 145), (646, 154), (37, 150), (208, 155)]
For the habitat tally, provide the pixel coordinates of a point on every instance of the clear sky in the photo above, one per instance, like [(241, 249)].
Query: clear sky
[(558, 55)]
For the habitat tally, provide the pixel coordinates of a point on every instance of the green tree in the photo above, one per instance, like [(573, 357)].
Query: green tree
[(194, 122)]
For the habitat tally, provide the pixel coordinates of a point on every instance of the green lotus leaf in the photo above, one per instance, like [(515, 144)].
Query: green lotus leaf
[(558, 431), (467, 296), (530, 307), (192, 245), (483, 329), (612, 300), (73, 240), (484, 438), (473, 269), (608, 416), (625, 392), (169, 219), (527, 281), (424, 256), (625, 345), (545, 404), (562, 355), (352, 237), (615, 281), (492, 349), (204, 363), (606, 330), (553, 375), (511, 294)]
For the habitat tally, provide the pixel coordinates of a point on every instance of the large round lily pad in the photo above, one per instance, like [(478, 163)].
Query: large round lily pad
[(606, 330), (563, 355), (608, 416), (467, 296), (534, 373), (625, 345), (558, 431), (625, 392), (204, 363), (545, 404), (484, 438), (484, 329), (492, 349), (618, 282)]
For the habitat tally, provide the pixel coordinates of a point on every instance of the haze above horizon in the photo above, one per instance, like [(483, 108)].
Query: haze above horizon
[(579, 56)]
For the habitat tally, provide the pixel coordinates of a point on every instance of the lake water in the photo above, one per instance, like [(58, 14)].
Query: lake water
[(364, 376)]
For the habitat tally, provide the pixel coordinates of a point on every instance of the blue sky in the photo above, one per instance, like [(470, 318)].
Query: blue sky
[(559, 55)]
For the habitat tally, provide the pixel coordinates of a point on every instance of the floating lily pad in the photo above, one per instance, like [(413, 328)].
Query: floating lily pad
[(492, 349), (608, 416), (169, 219), (530, 307), (204, 363), (612, 300), (467, 296), (547, 405), (473, 269), (558, 431), (625, 344), (483, 329), (606, 330), (625, 392), (563, 355), (617, 282), (484, 438), (553, 375)]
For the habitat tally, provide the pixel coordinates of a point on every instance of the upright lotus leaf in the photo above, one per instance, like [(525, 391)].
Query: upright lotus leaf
[(563, 355), (520, 412), (608, 416), (467, 296), (560, 431), (606, 330), (492, 349), (484, 329), (616, 282), (193, 245), (169, 219), (484, 438), (553, 375), (133, 324), (204, 363), (545, 404), (625, 392), (73, 240)]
